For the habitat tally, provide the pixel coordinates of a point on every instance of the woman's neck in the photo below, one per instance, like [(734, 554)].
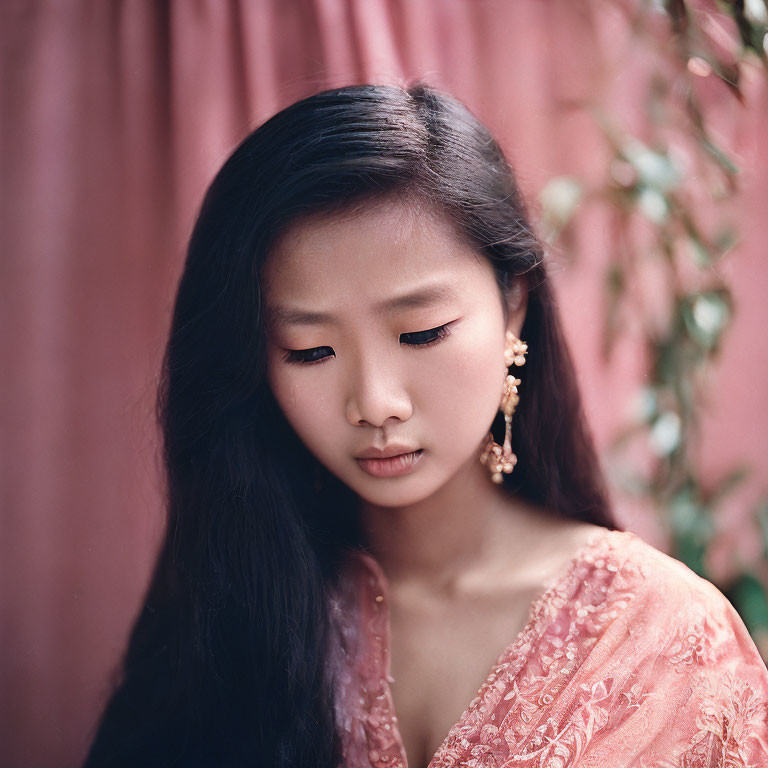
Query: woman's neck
[(446, 540)]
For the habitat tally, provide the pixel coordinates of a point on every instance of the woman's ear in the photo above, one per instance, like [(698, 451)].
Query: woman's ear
[(517, 304)]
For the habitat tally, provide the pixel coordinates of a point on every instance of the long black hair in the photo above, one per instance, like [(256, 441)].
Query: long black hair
[(227, 661)]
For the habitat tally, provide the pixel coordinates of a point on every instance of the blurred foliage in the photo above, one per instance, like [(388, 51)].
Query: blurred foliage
[(667, 195)]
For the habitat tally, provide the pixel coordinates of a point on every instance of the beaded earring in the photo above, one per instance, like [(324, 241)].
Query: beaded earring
[(499, 458)]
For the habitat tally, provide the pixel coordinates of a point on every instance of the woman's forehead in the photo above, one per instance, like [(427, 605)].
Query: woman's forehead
[(384, 249)]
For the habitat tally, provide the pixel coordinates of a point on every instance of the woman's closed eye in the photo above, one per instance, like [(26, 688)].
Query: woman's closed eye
[(416, 339)]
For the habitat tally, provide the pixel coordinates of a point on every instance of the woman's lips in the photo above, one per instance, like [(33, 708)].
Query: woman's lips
[(391, 466)]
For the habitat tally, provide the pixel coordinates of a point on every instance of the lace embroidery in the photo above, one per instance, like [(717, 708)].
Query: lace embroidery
[(590, 672), (691, 645), (731, 717)]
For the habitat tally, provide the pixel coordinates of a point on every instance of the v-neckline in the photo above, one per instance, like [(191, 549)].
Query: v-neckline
[(551, 587)]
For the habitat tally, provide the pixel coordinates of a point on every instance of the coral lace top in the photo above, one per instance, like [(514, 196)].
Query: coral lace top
[(627, 659)]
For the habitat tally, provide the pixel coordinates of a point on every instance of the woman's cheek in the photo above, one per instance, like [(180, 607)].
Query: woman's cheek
[(477, 382), (307, 403), (479, 358)]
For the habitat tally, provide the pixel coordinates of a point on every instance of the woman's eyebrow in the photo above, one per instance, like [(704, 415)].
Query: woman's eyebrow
[(420, 297)]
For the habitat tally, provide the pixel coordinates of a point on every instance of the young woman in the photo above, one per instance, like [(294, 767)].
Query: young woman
[(358, 570)]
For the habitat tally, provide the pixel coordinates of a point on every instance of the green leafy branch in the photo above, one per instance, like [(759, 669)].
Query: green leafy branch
[(667, 196)]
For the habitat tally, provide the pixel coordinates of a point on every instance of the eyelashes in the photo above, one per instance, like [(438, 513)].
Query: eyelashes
[(416, 339), (306, 356), (434, 335)]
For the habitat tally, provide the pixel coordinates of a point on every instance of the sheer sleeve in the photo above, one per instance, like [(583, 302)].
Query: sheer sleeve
[(695, 689)]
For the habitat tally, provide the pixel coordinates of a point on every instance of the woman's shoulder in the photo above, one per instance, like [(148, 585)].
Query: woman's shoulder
[(655, 652), (652, 572), (660, 610), (620, 560), (654, 587)]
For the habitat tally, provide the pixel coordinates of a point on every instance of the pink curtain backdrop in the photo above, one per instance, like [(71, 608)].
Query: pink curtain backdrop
[(115, 116)]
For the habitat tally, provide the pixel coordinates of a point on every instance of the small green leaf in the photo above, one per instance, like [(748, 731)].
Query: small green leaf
[(706, 316), (559, 199), (655, 170), (725, 239), (720, 156), (699, 253)]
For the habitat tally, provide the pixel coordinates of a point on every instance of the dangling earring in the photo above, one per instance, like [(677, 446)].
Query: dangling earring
[(499, 458)]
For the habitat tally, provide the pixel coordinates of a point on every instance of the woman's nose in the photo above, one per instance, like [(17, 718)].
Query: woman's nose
[(377, 393)]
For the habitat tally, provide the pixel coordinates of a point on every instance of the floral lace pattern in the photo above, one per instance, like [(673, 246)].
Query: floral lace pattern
[(627, 659)]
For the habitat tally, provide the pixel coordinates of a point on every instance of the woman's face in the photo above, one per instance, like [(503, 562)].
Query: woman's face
[(385, 330)]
